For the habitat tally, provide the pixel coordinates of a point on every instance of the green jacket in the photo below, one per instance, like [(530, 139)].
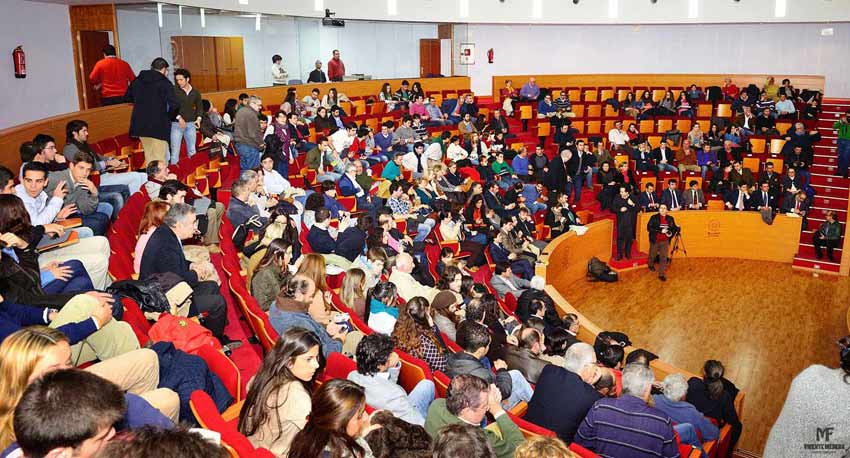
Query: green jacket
[(499, 167), (266, 284), (843, 129), (439, 416), (830, 231)]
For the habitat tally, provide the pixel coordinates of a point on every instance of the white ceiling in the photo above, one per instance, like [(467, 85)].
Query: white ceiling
[(524, 11)]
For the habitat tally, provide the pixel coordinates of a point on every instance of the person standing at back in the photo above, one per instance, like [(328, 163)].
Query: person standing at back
[(188, 119), (279, 74), (336, 68), (247, 134), (111, 76), (154, 106)]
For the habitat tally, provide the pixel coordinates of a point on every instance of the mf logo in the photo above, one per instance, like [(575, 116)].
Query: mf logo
[(823, 434)]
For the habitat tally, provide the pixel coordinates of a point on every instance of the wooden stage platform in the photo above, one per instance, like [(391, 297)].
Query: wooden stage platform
[(764, 321)]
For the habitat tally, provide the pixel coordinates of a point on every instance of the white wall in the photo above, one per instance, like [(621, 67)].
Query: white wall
[(553, 11), (562, 49), (380, 49), (50, 87)]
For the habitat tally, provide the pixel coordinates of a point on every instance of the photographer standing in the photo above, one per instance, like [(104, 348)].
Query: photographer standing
[(662, 227)]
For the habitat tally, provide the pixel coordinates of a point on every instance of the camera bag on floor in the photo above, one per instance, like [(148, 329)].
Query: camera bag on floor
[(599, 271)]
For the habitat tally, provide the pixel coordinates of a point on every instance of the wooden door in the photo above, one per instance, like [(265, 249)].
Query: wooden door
[(197, 54), (90, 46), (429, 57), (230, 63)]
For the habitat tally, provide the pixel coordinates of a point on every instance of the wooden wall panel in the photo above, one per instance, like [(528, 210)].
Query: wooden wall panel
[(229, 63), (564, 260), (652, 80), (732, 234), (114, 120)]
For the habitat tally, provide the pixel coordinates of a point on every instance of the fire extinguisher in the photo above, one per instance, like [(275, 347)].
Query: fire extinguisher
[(20, 62), (490, 56)]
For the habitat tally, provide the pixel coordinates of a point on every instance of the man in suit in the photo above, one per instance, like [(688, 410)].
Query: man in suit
[(763, 199), (746, 119), (740, 199), (377, 372), (584, 161), (741, 175), (571, 323), (525, 357), (664, 159), (82, 193), (626, 209), (504, 281), (648, 200), (798, 205), (494, 202), (661, 227), (800, 159), (564, 395), (164, 254), (728, 154), (791, 184), (348, 186), (720, 182), (772, 179), (672, 197), (693, 197), (561, 170)]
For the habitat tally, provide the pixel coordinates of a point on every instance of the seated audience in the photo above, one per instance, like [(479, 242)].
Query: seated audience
[(504, 281), (82, 193), (461, 439), (378, 367), (278, 401), (153, 217), (164, 254), (714, 396), (408, 287), (174, 443), (415, 333), (672, 402), (469, 400), (382, 307), (272, 273), (628, 426), (353, 291), (475, 340), (525, 357), (563, 395), (338, 425)]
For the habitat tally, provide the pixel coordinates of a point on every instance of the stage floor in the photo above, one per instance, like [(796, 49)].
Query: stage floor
[(764, 321)]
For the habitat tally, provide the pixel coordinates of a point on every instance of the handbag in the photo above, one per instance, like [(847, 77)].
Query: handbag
[(185, 333), (149, 295)]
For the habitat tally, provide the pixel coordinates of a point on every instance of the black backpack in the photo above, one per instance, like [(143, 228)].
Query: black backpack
[(149, 294), (599, 271)]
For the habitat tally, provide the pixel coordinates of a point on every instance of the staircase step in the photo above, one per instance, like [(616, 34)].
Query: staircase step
[(816, 265)]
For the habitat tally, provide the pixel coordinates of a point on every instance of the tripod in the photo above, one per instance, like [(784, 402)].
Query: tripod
[(678, 243)]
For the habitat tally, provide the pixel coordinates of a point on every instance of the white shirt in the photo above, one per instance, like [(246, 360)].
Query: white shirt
[(456, 152), (434, 152), (618, 137), (42, 210), (341, 140), (279, 75), (311, 105), (409, 161), (274, 182)]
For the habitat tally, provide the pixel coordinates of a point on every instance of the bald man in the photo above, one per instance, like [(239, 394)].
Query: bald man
[(406, 285)]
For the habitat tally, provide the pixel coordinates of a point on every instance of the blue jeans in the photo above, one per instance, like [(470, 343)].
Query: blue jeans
[(667, 167), (588, 178), (249, 156), (328, 176), (421, 396), (843, 155), (423, 229), (688, 435), (177, 136), (98, 220), (79, 281), (478, 238), (507, 182), (578, 182), (115, 199), (705, 168), (83, 232), (521, 390)]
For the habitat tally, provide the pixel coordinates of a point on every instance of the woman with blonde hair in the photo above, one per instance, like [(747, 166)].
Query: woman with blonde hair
[(313, 267), (155, 211), (543, 447), (353, 292), (29, 353)]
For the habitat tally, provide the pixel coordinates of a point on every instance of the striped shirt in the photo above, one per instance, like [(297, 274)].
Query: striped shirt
[(627, 427)]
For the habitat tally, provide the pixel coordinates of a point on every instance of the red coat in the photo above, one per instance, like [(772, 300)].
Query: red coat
[(336, 69)]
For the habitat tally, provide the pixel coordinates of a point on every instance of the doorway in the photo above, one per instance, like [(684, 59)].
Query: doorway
[(90, 46), (429, 57)]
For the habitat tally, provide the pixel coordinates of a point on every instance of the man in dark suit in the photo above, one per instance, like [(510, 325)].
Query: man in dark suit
[(624, 206), (772, 179), (740, 199), (648, 200), (563, 395), (525, 357), (164, 254), (693, 197), (791, 184), (740, 175), (762, 199), (799, 205), (728, 154), (661, 227), (800, 159), (672, 197), (494, 202), (561, 170), (664, 158), (572, 325)]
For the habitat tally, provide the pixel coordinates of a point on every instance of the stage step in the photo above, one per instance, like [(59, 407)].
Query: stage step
[(817, 265)]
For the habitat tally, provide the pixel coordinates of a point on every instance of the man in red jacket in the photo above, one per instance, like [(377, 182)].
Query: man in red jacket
[(111, 76), (336, 68)]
